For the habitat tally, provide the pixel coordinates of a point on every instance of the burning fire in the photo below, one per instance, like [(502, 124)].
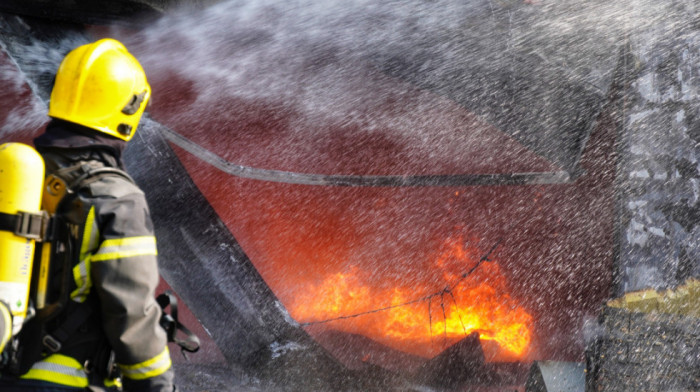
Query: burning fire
[(424, 320)]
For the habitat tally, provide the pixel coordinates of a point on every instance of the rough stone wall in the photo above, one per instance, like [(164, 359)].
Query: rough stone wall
[(659, 207), (659, 171)]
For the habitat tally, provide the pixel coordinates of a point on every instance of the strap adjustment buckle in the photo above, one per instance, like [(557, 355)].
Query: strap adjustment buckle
[(32, 225), (51, 344)]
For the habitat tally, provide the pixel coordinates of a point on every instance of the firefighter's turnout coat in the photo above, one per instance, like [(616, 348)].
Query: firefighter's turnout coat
[(114, 272)]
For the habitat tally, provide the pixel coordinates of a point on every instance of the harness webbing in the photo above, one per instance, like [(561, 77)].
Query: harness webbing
[(25, 224)]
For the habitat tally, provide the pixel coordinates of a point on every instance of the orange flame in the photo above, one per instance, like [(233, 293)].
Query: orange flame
[(424, 320)]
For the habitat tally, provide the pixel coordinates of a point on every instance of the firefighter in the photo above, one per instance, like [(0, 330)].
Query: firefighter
[(111, 320)]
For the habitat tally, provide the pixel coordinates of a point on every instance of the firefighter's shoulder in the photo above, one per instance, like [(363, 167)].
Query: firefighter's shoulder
[(113, 185)]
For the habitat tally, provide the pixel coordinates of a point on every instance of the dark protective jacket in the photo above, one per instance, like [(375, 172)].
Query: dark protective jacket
[(114, 269)]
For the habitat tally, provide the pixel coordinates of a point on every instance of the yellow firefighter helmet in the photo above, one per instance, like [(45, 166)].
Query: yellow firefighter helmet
[(101, 86)]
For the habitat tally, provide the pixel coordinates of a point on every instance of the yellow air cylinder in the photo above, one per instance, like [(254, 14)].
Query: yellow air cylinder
[(21, 184)]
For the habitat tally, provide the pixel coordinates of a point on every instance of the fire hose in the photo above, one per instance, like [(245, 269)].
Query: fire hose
[(556, 177)]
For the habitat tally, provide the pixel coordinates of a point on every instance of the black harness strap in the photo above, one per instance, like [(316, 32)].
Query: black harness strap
[(25, 224), (54, 341), (92, 174), (171, 324)]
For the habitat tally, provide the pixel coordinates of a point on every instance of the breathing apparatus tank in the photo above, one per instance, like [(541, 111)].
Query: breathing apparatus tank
[(21, 185)]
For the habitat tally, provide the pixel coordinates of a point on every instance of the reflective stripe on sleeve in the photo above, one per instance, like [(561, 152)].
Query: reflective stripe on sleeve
[(148, 369), (81, 272), (121, 248), (58, 369)]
